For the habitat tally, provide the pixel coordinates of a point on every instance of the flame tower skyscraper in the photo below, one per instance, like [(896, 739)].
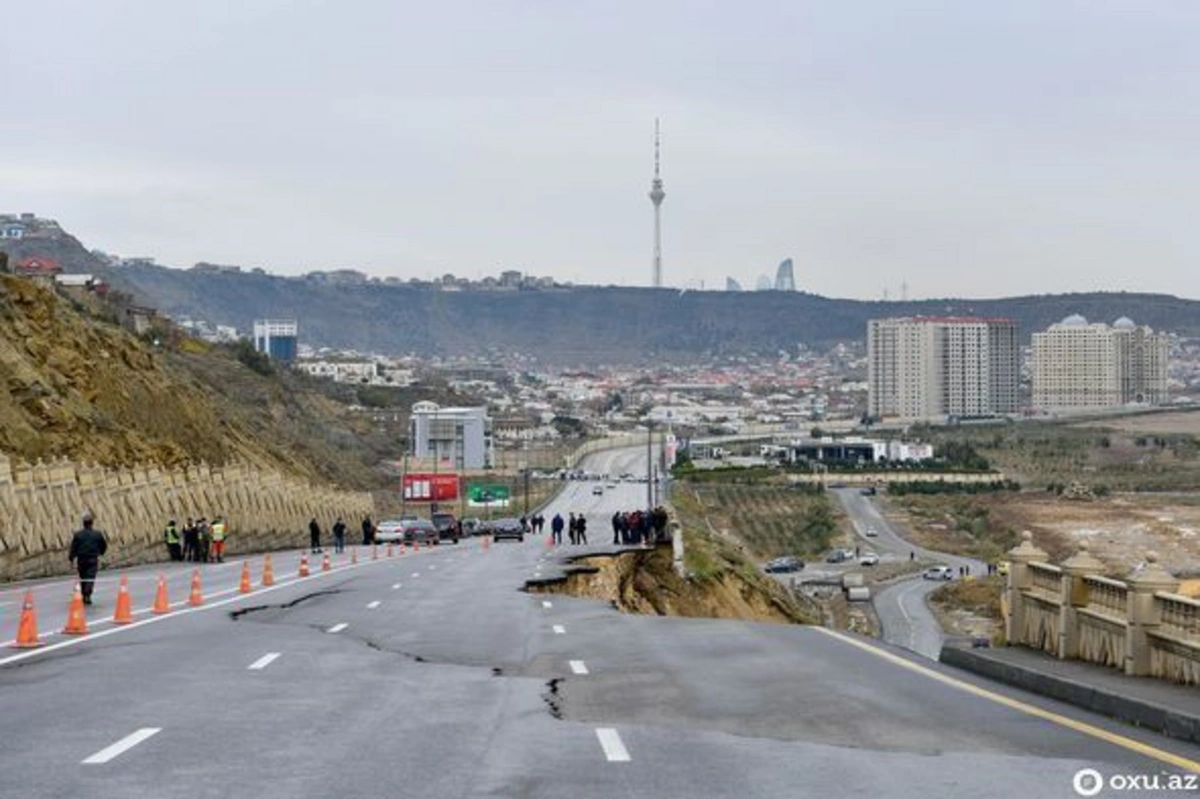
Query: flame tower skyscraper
[(656, 196)]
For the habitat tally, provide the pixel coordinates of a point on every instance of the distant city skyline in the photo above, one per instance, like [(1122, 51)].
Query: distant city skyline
[(947, 150)]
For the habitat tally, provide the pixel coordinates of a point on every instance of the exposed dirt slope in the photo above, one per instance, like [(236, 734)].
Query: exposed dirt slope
[(77, 387), (645, 582)]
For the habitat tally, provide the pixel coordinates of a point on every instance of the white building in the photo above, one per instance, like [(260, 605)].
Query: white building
[(341, 371), (460, 438), (1080, 365), (934, 367)]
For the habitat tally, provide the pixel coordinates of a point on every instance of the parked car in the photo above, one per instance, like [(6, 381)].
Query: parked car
[(420, 531), (389, 531), (598, 491), (784, 565), (507, 528), (447, 526), (839, 556), (868, 559), (872, 532), (407, 518), (938, 573), (472, 525)]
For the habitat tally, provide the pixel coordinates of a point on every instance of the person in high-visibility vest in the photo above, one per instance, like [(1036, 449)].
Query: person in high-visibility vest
[(218, 539), (174, 546)]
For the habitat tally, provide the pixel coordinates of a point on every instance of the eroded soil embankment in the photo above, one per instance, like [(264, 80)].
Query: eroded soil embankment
[(644, 581)]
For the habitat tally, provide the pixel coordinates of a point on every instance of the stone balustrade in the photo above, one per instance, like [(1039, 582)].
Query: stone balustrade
[(1138, 625), (41, 504)]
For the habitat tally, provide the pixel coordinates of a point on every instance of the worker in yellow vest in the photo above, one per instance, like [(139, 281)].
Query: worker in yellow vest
[(218, 539), (174, 545)]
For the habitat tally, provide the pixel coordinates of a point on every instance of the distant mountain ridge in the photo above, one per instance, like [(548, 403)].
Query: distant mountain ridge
[(579, 325)]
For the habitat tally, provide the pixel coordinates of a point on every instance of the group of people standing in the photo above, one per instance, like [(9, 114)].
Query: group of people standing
[(339, 534), (199, 541), (639, 527), (576, 528)]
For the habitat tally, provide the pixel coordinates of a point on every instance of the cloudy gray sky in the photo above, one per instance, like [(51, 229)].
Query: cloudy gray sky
[(967, 148)]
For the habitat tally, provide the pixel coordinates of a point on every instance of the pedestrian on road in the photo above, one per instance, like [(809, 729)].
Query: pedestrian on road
[(88, 545), (581, 530), (339, 536), (624, 527), (912, 555), (572, 528), (368, 531), (314, 535), (616, 525), (191, 541), (174, 545), (218, 532), (556, 527), (205, 534)]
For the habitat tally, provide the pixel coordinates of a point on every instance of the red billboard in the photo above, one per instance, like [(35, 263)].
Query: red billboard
[(430, 487)]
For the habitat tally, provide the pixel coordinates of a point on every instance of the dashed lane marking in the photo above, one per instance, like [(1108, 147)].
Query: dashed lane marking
[(337, 628), (560, 630), (373, 605), (610, 742), (1023, 707), (546, 604), (416, 574), (263, 661), (395, 586), (578, 667), (124, 745)]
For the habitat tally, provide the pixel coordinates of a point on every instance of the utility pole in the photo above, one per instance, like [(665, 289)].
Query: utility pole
[(649, 465)]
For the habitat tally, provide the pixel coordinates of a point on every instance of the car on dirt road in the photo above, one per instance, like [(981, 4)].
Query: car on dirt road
[(784, 564)]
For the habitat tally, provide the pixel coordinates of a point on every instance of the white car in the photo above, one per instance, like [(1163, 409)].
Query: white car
[(871, 533), (868, 559), (938, 573), (391, 530)]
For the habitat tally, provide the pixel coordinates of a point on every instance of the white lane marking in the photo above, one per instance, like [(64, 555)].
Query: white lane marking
[(395, 586), (579, 667), (125, 744), (337, 628), (373, 605), (184, 610), (546, 604), (432, 567), (263, 661), (416, 574), (560, 630), (610, 742)]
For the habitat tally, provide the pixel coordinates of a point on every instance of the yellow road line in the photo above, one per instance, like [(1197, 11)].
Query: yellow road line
[(1024, 707)]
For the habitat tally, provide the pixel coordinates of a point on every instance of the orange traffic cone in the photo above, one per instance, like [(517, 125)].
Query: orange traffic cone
[(303, 565), (161, 603), (27, 634), (124, 612), (196, 599), (325, 565), (353, 556), (76, 619), (244, 586), (268, 570), (390, 553)]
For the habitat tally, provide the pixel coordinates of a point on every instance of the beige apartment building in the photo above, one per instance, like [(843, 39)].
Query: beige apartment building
[(1080, 365), (938, 367)]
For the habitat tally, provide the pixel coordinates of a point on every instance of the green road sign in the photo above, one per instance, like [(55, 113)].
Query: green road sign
[(481, 493)]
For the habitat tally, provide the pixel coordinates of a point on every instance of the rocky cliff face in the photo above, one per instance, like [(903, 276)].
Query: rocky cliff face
[(80, 388)]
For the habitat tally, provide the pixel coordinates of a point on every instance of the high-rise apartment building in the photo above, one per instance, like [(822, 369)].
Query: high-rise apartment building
[(933, 367), (1078, 365)]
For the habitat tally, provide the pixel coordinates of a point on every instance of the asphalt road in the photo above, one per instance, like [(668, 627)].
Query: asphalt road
[(433, 675), (904, 614)]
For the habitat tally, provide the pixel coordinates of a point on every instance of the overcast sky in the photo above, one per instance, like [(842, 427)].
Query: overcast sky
[(968, 148)]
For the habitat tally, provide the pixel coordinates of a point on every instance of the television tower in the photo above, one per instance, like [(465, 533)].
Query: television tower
[(656, 196)]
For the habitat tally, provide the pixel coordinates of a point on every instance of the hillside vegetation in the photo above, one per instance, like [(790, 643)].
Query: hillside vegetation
[(85, 389)]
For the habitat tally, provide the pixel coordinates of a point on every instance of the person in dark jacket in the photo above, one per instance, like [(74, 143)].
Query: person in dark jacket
[(339, 535), (556, 526), (368, 532), (191, 541), (314, 535), (572, 528), (616, 525), (87, 547), (581, 530)]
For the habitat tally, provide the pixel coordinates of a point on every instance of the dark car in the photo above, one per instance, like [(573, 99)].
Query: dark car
[(507, 528), (784, 565), (447, 526), (420, 531)]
